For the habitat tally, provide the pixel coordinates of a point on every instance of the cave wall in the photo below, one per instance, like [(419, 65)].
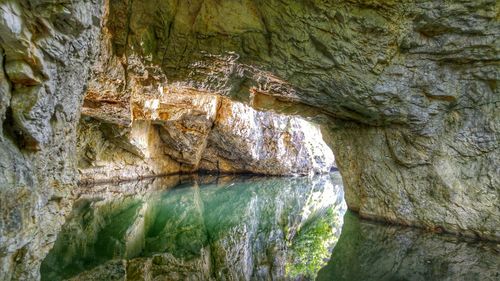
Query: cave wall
[(186, 132), (45, 48), (137, 122)]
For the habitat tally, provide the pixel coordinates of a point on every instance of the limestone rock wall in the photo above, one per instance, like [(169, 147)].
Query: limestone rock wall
[(411, 87), (45, 50), (139, 122), (187, 131), (109, 152), (246, 140)]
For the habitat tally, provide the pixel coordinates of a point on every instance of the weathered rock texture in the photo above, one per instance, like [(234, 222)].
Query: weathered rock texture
[(412, 86), (45, 51), (143, 124), (186, 131)]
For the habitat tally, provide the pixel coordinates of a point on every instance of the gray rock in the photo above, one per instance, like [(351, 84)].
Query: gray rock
[(40, 95), (19, 72)]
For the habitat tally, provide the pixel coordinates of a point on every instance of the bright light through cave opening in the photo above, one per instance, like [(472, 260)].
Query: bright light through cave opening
[(201, 221), (186, 130)]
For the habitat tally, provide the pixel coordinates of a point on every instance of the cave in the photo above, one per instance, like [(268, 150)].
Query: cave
[(249, 140)]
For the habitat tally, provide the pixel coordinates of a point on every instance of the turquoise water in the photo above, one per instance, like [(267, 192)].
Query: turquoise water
[(248, 228), (203, 228)]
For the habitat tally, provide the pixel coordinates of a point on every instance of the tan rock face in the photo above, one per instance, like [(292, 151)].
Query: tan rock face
[(188, 130), (110, 152), (247, 140), (184, 121)]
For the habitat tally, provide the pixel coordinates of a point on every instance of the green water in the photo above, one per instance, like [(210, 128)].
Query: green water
[(204, 228), (248, 228)]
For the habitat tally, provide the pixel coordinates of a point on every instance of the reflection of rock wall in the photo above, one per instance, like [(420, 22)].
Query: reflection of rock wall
[(224, 229), (190, 130), (45, 50), (370, 251)]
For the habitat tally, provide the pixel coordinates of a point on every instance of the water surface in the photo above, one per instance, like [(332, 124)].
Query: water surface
[(202, 228), (249, 228), (371, 251)]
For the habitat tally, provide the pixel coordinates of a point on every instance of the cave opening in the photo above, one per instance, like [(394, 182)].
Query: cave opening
[(234, 188), (188, 131)]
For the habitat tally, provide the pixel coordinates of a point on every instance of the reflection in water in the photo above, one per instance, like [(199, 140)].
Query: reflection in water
[(249, 228), (371, 251), (244, 228)]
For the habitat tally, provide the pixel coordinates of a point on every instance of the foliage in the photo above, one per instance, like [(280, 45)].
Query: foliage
[(311, 247)]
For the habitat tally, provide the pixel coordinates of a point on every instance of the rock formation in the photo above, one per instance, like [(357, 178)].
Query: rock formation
[(407, 92), (142, 124), (187, 131), (406, 89), (46, 48)]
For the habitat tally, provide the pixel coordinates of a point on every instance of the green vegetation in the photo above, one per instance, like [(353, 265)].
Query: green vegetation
[(310, 249)]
